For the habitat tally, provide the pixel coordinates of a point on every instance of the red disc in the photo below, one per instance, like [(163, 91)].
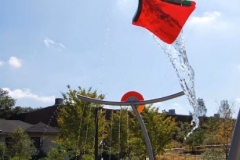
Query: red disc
[(136, 95)]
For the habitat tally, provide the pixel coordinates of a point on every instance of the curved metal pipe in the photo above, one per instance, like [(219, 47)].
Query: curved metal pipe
[(113, 103)]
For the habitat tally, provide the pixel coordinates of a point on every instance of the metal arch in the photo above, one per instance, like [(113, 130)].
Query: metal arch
[(134, 105), (113, 103)]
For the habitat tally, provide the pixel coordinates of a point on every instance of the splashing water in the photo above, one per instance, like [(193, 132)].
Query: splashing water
[(177, 55)]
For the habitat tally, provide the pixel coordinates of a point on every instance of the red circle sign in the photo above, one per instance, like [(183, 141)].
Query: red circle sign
[(133, 94)]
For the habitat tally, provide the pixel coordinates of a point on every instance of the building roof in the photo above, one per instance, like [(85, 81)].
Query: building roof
[(41, 128), (9, 126), (46, 115)]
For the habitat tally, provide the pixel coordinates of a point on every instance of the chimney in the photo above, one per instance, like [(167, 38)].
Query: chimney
[(216, 115), (58, 101), (171, 111)]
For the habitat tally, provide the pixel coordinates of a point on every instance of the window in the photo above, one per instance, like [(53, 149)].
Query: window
[(8, 141), (36, 141)]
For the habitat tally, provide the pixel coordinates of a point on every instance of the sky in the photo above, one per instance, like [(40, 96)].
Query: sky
[(47, 45)]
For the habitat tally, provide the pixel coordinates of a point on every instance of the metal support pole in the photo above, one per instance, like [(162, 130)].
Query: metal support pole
[(234, 153), (144, 131)]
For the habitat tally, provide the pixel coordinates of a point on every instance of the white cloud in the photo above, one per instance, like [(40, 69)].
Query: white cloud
[(209, 20), (1, 63), (15, 62), (26, 93), (48, 42)]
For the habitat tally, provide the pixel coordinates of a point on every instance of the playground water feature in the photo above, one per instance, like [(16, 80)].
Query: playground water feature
[(177, 55)]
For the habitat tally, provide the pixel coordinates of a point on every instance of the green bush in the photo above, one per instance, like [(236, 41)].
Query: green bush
[(213, 154), (17, 158), (56, 154), (20, 147), (2, 151)]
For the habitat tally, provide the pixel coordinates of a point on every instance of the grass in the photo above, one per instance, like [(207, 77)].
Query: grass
[(206, 154), (179, 157)]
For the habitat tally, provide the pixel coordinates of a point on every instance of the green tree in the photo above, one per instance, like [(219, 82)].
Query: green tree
[(2, 151), (20, 146), (197, 138), (19, 110), (56, 154), (212, 127), (160, 129), (182, 129), (118, 133), (76, 122), (6, 104), (226, 125), (201, 107), (202, 110)]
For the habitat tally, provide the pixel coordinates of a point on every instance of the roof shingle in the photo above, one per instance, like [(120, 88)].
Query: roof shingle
[(9, 126), (41, 128)]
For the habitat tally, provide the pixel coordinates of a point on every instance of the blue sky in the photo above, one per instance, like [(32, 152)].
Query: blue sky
[(46, 45)]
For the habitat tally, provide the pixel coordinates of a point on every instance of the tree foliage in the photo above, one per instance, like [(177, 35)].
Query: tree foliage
[(212, 128), (226, 125), (202, 110), (201, 106), (19, 110), (182, 129), (6, 104), (159, 127), (7, 108), (118, 133), (20, 145), (197, 138), (2, 151), (76, 122), (56, 154)]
